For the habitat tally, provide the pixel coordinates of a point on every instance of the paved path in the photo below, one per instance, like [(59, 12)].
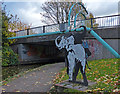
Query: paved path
[(35, 81)]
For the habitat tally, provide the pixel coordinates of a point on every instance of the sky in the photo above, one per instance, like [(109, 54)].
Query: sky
[(29, 12)]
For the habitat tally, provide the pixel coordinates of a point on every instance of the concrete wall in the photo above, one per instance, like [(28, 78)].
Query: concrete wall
[(32, 53), (99, 51)]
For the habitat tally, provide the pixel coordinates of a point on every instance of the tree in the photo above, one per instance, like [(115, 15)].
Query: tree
[(10, 23), (91, 17), (8, 56), (15, 24), (5, 30), (57, 12)]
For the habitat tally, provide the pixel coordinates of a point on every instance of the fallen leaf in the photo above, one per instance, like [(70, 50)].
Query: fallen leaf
[(7, 85), (17, 91), (3, 89), (45, 84)]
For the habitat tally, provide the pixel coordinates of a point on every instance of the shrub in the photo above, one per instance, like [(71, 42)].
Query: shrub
[(8, 56)]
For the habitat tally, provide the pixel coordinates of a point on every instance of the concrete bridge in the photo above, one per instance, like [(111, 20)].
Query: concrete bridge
[(37, 44)]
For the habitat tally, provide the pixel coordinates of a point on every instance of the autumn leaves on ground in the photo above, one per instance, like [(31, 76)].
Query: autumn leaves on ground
[(104, 72)]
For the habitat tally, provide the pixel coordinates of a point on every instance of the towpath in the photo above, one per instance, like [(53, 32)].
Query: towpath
[(39, 80)]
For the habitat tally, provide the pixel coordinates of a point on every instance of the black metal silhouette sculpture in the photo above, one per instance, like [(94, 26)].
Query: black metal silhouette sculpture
[(75, 54)]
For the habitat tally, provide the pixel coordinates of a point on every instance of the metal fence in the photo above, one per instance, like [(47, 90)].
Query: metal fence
[(98, 22), (106, 21)]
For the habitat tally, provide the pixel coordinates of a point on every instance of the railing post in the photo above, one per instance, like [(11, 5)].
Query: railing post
[(27, 31), (43, 29), (91, 22)]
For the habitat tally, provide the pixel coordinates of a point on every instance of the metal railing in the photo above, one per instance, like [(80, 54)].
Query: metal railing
[(106, 21), (98, 22)]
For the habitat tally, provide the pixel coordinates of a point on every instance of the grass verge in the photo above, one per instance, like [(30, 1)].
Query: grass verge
[(104, 72)]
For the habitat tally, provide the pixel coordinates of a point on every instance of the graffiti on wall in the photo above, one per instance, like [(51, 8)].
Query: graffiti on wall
[(41, 51), (94, 47), (46, 51)]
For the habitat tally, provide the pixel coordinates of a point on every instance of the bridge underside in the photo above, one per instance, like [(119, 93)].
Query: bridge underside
[(43, 49)]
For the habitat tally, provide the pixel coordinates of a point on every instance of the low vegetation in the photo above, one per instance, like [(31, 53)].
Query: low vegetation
[(104, 72)]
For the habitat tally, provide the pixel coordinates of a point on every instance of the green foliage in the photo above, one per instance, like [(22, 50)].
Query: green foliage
[(5, 31), (10, 23), (8, 57)]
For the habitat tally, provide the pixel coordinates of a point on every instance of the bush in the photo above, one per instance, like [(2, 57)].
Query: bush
[(8, 56)]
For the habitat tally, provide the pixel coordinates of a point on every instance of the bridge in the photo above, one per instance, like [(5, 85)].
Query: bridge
[(37, 44)]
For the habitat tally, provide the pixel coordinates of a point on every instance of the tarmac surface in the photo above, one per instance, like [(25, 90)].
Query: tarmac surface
[(35, 81)]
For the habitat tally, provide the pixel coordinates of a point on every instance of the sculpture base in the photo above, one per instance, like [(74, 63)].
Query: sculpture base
[(70, 85)]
